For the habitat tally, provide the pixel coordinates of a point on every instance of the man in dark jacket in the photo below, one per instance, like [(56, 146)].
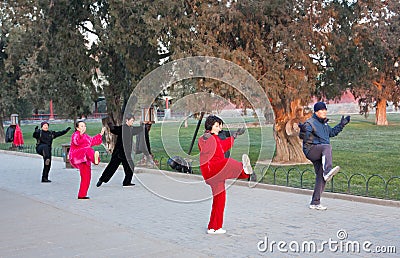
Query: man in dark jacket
[(316, 134), (122, 151), (44, 138)]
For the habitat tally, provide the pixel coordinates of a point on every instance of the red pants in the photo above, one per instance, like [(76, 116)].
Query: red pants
[(85, 171), (86, 174), (217, 184)]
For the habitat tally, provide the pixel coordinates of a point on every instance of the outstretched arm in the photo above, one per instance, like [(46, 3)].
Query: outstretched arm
[(98, 138), (117, 130), (137, 130), (227, 143), (60, 133)]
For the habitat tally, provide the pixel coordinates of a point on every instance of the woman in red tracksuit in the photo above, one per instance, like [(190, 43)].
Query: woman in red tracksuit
[(81, 154), (216, 168)]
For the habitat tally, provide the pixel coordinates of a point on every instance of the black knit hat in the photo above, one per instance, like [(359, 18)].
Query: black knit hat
[(319, 106)]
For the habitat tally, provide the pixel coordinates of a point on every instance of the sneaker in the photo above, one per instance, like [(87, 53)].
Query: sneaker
[(318, 207), (220, 231), (216, 232), (96, 158), (46, 180), (246, 165), (331, 173), (84, 198), (99, 183), (128, 185), (211, 231)]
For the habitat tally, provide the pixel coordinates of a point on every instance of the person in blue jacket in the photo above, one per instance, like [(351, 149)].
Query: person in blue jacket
[(316, 134)]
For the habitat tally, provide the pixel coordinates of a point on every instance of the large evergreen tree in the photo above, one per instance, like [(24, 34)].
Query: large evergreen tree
[(270, 39), (127, 48), (296, 49), (364, 52), (48, 48)]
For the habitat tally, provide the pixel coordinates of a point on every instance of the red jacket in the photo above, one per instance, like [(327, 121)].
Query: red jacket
[(80, 145), (18, 137), (212, 159)]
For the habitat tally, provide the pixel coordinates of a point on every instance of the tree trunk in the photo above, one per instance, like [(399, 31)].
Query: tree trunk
[(380, 115), (288, 144), (115, 114), (2, 133), (109, 139)]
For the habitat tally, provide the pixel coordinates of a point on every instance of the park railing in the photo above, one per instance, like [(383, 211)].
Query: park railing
[(375, 185), (55, 151)]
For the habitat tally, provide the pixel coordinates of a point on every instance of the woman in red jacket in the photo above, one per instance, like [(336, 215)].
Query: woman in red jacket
[(81, 154), (216, 168)]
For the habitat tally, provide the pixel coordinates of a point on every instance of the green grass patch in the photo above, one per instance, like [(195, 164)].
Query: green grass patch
[(362, 150)]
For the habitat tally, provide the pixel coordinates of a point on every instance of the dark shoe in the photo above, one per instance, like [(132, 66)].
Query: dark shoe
[(127, 185), (84, 198), (253, 177), (99, 183), (46, 181)]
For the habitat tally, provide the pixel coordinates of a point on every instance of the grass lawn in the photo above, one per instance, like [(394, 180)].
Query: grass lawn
[(362, 150)]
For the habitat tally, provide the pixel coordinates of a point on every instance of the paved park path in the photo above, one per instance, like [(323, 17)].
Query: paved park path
[(166, 214)]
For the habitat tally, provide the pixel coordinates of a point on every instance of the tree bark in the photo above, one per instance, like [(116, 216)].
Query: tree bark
[(380, 115), (109, 139), (2, 133), (288, 144)]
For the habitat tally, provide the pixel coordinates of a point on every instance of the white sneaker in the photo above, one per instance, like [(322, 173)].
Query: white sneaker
[(318, 207), (331, 173), (216, 232), (246, 165)]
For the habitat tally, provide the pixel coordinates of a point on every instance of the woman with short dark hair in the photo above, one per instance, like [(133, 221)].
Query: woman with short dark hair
[(216, 168)]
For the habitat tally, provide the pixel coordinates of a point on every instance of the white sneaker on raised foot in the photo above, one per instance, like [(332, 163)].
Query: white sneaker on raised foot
[(246, 165), (216, 232), (318, 207), (331, 173)]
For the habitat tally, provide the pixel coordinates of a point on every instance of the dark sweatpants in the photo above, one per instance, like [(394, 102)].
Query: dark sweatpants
[(45, 151), (113, 166), (321, 157)]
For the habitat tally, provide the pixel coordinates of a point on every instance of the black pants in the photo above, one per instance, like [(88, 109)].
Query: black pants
[(44, 150), (113, 166), (321, 157), (147, 139)]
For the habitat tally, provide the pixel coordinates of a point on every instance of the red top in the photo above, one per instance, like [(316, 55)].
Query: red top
[(212, 154), (80, 145)]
